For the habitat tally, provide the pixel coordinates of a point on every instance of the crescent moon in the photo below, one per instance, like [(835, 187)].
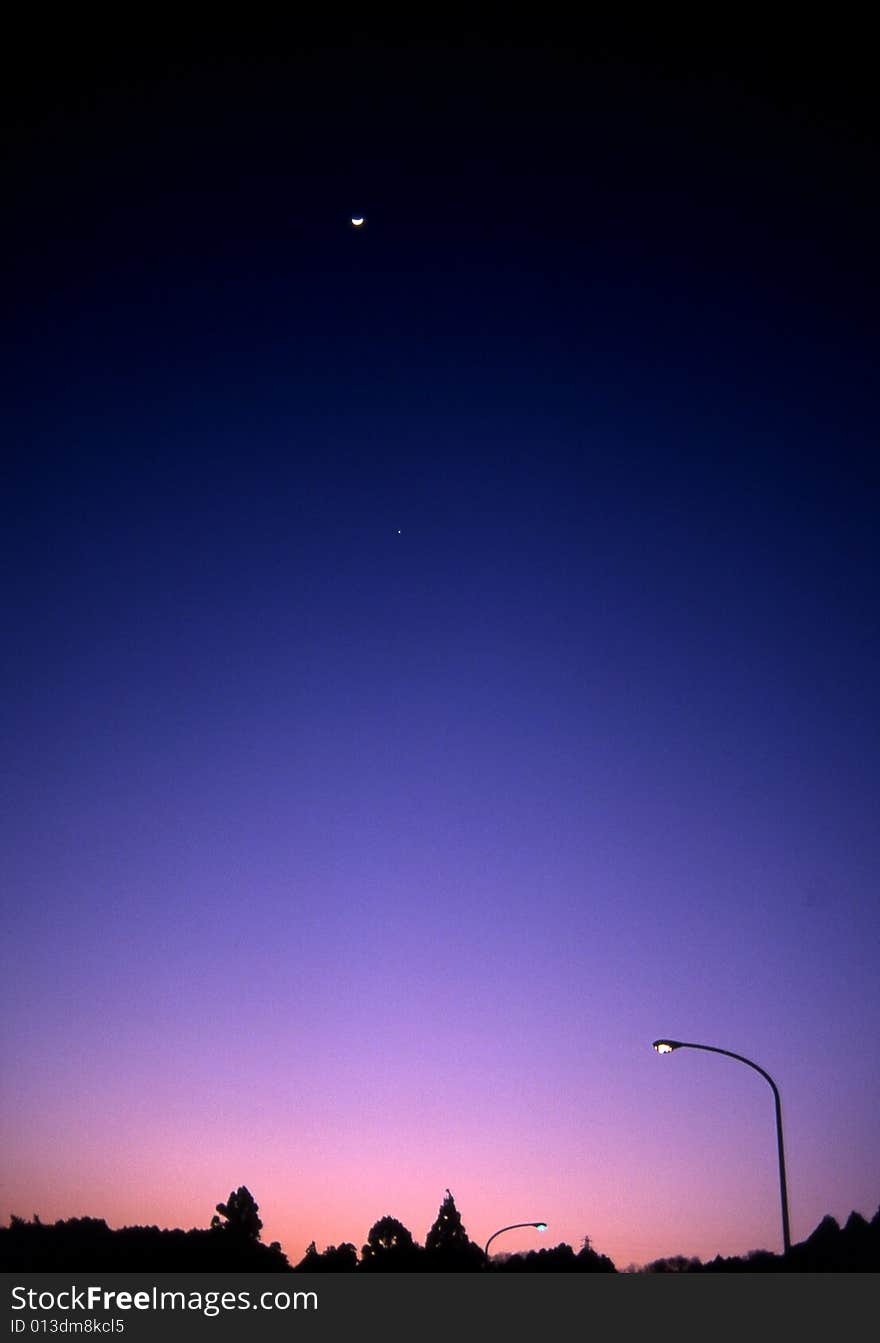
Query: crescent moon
[(357, 222)]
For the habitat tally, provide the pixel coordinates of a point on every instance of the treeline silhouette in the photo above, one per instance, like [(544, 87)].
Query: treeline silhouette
[(830, 1248), (86, 1244), (232, 1244)]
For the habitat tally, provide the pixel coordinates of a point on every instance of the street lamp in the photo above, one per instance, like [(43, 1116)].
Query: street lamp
[(539, 1226), (667, 1046)]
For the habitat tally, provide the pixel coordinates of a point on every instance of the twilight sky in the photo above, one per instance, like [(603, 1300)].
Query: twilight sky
[(443, 657)]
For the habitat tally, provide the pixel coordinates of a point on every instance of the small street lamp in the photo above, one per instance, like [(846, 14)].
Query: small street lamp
[(539, 1226)]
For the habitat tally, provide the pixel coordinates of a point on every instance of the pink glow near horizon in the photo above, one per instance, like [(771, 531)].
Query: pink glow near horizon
[(696, 1175)]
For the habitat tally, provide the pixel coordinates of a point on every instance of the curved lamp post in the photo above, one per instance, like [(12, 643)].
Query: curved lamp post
[(539, 1226), (667, 1046)]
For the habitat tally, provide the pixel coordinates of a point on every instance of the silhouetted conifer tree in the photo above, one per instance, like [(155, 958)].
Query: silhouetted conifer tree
[(310, 1257), (447, 1244)]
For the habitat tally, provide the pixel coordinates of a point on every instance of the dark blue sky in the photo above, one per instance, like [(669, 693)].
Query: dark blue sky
[(484, 597)]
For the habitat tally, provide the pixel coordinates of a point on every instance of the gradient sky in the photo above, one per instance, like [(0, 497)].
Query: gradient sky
[(441, 658)]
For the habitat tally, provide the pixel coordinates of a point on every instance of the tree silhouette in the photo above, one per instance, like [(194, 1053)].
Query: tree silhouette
[(241, 1213), (447, 1244), (87, 1244), (335, 1259), (557, 1259), (674, 1263), (390, 1246)]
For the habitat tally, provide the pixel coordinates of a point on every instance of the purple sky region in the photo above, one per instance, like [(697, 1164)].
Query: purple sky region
[(440, 660)]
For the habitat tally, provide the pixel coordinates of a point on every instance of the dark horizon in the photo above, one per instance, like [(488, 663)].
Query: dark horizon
[(233, 1243)]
